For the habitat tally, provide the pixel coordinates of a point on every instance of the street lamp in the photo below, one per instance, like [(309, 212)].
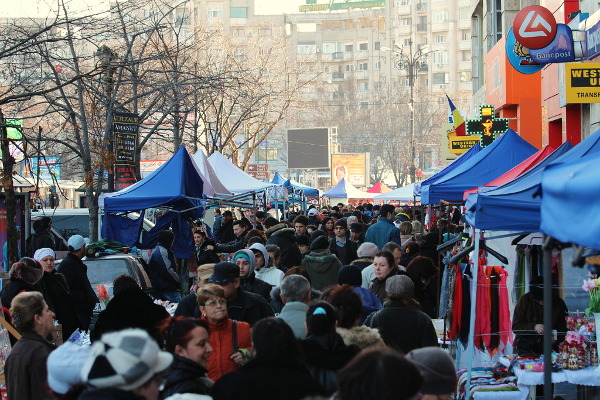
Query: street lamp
[(411, 62)]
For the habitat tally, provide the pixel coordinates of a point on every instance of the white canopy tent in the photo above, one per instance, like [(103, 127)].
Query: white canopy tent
[(208, 173), (233, 178), (405, 193)]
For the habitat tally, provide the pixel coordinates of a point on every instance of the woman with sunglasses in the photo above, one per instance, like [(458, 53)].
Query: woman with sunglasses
[(187, 339)]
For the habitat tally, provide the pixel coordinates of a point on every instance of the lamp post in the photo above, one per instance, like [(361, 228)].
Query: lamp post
[(107, 62), (411, 62)]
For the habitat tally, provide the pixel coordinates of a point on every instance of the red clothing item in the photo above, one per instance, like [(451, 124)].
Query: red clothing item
[(221, 340)]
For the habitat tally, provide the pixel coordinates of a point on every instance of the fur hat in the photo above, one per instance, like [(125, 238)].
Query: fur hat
[(399, 286), (28, 270), (349, 274), (320, 243), (124, 360), (367, 249), (437, 369)]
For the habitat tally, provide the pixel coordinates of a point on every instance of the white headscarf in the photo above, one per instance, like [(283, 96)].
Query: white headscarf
[(44, 252)]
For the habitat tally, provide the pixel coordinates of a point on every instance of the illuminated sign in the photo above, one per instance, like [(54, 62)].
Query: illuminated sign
[(534, 27), (341, 6), (460, 144), (487, 126), (582, 82)]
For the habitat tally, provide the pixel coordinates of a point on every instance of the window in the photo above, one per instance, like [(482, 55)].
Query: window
[(238, 12), (239, 32), (363, 66), (350, 67), (266, 154), (377, 45), (465, 55), (463, 13), (406, 21), (440, 16), (363, 105), (440, 57), (215, 12), (306, 27), (363, 86), (377, 65), (440, 78), (349, 48), (265, 32), (440, 39), (306, 48), (404, 3), (465, 35), (465, 76), (330, 47), (363, 46)]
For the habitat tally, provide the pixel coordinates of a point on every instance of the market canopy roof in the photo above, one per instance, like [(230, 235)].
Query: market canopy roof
[(379, 187), (449, 168), (176, 183), (570, 210), (516, 171), (488, 164), (405, 193), (208, 174), (307, 190), (278, 179), (344, 190), (234, 179), (512, 207)]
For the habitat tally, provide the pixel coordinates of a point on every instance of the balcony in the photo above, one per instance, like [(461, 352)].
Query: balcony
[(421, 7), (362, 94), (464, 45), (404, 10), (362, 74), (464, 24), (404, 29), (421, 27), (338, 56), (332, 57), (361, 55), (465, 66), (337, 76)]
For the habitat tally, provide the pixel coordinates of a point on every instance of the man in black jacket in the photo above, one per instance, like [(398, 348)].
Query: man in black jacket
[(75, 272), (341, 246), (239, 230), (282, 235), (225, 233)]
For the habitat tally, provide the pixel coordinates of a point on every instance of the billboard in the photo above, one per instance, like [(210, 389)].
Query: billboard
[(308, 148), (582, 82), (352, 166), (48, 168)]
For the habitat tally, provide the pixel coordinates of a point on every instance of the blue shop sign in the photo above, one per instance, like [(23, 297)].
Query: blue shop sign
[(559, 50), (592, 38)]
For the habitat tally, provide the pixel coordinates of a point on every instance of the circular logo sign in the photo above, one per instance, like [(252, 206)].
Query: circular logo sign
[(519, 57), (534, 27)]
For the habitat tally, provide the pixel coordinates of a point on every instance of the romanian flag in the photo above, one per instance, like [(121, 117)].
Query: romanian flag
[(459, 122)]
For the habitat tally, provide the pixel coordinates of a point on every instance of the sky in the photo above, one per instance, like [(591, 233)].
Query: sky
[(43, 8)]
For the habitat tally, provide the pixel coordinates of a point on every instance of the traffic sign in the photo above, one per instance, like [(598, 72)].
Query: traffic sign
[(534, 27)]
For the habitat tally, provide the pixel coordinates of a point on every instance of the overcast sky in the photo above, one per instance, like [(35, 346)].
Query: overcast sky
[(42, 8)]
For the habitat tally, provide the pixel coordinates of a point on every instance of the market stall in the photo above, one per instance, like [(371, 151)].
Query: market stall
[(344, 191)]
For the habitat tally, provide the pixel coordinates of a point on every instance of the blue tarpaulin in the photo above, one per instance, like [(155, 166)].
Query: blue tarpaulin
[(512, 206), (278, 179), (570, 207), (449, 168), (122, 229), (485, 166), (175, 183), (308, 191)]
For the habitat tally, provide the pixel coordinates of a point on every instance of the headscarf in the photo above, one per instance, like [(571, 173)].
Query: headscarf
[(43, 252)]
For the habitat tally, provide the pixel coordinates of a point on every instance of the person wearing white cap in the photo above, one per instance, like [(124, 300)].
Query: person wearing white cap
[(75, 271), (55, 289), (64, 370), (125, 365)]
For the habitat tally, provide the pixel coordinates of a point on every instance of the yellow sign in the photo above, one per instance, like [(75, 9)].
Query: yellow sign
[(582, 82), (352, 166), (460, 144)]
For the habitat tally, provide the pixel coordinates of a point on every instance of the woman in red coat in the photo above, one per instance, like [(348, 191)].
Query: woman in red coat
[(231, 340)]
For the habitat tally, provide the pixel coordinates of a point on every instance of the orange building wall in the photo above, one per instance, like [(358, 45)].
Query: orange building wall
[(514, 95)]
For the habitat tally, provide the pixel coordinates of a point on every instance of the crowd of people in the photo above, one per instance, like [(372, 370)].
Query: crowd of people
[(332, 303)]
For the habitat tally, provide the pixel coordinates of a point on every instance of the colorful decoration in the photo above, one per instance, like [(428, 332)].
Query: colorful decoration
[(487, 126), (592, 286)]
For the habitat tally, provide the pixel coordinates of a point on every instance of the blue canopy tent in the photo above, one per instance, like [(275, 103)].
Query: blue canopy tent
[(175, 185), (449, 168), (570, 193), (307, 190), (485, 166), (344, 190), (278, 179), (512, 206)]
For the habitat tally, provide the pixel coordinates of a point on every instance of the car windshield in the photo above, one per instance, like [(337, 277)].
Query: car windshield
[(104, 271)]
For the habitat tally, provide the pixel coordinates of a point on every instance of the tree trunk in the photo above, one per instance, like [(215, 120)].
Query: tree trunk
[(8, 162)]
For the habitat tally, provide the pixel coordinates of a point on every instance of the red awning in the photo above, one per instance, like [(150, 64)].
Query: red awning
[(379, 187), (519, 169)]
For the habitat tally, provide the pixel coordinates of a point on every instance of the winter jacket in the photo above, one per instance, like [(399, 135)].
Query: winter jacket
[(25, 368), (382, 232), (277, 305), (325, 355), (131, 308), (221, 341), (108, 394), (55, 289), (271, 275), (225, 233), (232, 246), (248, 307), (401, 328), (185, 376), (257, 286), (84, 297), (367, 274), (40, 241), (161, 271), (283, 236), (322, 268), (345, 254), (377, 286), (268, 378), (202, 256), (188, 307), (362, 263), (370, 302), (362, 336), (13, 288), (294, 314)]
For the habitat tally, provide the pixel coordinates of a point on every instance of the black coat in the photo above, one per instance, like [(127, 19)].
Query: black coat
[(284, 237), (268, 378), (188, 307), (225, 233), (325, 355), (185, 376), (232, 246), (13, 288), (131, 308), (84, 297), (39, 241), (401, 328), (257, 286), (206, 256), (108, 394), (345, 254), (55, 289)]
